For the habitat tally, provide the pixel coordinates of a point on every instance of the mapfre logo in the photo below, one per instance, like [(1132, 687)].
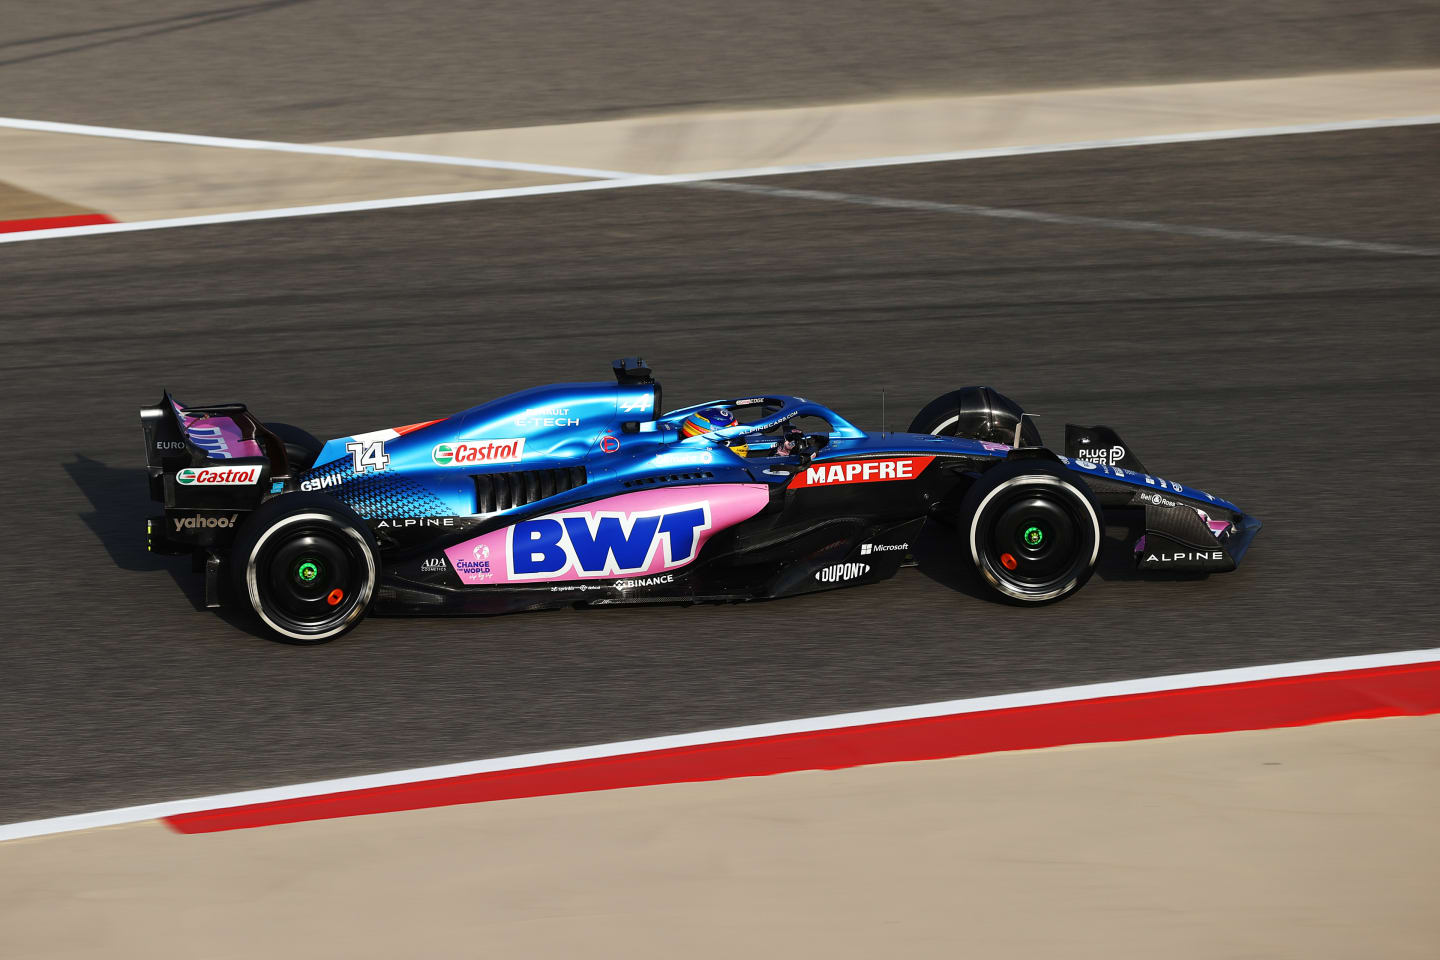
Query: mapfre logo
[(469, 453), (605, 543), (218, 476), (861, 471)]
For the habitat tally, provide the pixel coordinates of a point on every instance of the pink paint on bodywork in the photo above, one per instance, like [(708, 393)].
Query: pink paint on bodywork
[(220, 437), (486, 559)]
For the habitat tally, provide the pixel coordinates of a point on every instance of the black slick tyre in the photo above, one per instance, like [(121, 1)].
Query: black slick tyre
[(301, 448), (306, 566), (980, 413), (1032, 530)]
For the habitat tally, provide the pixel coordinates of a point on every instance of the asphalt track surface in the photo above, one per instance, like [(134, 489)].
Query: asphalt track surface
[(326, 69), (1297, 381)]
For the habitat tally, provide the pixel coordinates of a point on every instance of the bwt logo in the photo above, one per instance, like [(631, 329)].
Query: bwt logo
[(605, 543)]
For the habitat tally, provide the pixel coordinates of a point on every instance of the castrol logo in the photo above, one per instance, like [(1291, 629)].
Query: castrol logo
[(470, 453), (219, 476)]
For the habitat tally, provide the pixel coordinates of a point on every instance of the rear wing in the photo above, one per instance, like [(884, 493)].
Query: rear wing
[(215, 456)]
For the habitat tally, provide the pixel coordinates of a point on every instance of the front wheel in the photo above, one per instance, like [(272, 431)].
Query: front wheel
[(1034, 533), (305, 566), (979, 413)]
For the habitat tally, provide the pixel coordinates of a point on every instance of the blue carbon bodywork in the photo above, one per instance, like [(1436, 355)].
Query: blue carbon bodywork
[(1145, 480), (587, 494), (558, 426), (614, 432)]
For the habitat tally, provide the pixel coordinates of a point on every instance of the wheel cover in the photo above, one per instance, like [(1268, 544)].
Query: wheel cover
[(1034, 536), (309, 577)]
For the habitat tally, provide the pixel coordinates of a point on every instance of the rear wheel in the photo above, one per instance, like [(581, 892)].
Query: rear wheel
[(1034, 533), (306, 567)]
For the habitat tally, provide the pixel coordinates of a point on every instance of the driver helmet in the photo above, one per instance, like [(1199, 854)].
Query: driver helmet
[(708, 419)]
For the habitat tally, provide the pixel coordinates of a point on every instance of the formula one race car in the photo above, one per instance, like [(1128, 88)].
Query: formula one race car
[(581, 493)]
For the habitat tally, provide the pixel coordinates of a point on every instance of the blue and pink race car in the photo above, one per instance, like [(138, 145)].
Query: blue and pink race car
[(585, 493)]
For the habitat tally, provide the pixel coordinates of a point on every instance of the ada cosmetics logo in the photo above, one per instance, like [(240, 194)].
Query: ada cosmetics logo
[(433, 565), (470, 453), (861, 471), (842, 572), (218, 476)]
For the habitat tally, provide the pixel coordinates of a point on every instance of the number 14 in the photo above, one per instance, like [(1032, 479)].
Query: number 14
[(368, 453)]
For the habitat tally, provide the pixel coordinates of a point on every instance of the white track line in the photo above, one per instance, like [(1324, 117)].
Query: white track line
[(1199, 136), (232, 143), (153, 811), (613, 178), (240, 216), (1066, 219)]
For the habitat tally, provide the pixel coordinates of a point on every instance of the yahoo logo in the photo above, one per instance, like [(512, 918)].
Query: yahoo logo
[(605, 543)]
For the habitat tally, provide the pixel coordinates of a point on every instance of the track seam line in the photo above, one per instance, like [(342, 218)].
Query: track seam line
[(1066, 219)]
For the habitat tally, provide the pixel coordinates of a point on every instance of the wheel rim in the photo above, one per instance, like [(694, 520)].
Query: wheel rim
[(309, 577), (1034, 537)]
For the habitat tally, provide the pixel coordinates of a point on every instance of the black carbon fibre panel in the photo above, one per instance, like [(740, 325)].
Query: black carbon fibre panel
[(1180, 523), (501, 491)]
